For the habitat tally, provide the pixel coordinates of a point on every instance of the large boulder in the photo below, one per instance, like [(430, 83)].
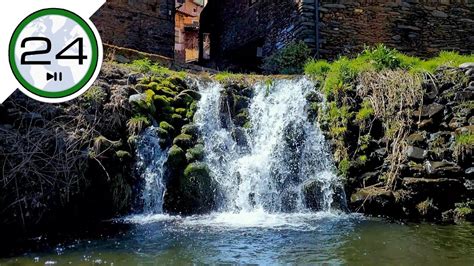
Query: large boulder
[(376, 201), (314, 191), (197, 189), (184, 141)]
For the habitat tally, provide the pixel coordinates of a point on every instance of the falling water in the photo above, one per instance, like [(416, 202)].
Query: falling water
[(150, 166), (281, 153)]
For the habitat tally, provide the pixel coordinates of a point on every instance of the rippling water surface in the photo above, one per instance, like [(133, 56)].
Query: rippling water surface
[(261, 238)]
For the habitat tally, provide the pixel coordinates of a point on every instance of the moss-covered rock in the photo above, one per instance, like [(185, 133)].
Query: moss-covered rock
[(181, 111), (177, 120), (198, 188), (183, 100), (191, 129), (195, 154), (165, 91), (161, 102), (176, 158), (184, 141), (166, 126), (162, 133)]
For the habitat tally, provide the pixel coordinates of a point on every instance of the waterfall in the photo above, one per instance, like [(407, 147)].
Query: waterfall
[(150, 166), (269, 165)]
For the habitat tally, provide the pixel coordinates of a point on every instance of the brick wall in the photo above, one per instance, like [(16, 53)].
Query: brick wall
[(145, 25), (417, 27)]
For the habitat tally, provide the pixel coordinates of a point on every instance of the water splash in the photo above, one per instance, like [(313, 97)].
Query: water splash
[(284, 152), (150, 166)]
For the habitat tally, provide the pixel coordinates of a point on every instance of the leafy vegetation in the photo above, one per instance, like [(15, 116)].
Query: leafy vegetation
[(289, 60)]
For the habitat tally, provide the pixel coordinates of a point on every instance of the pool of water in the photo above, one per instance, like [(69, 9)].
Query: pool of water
[(260, 238)]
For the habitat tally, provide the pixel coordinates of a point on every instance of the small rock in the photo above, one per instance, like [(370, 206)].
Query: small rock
[(443, 169), (426, 124), (136, 98), (416, 138), (469, 65), (429, 111), (416, 153), (469, 173)]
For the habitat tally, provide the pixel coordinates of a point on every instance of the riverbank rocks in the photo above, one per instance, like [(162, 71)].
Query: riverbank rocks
[(431, 176)]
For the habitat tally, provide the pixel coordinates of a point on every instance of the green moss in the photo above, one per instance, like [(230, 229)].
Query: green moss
[(181, 111), (161, 90), (162, 133), (192, 110), (166, 126), (94, 95), (197, 172), (176, 158), (195, 154), (184, 141), (465, 139), (190, 129), (161, 101), (146, 66), (344, 167), (365, 112)]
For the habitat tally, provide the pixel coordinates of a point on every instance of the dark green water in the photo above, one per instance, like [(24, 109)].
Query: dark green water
[(259, 238)]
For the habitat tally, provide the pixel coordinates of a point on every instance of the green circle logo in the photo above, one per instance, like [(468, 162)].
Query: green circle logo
[(53, 53)]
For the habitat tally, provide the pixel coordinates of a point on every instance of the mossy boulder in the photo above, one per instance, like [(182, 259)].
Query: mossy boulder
[(183, 100), (191, 129), (162, 133), (176, 158), (177, 120), (167, 126), (181, 111), (184, 141), (195, 154), (192, 110), (197, 188), (161, 102), (194, 94), (165, 91)]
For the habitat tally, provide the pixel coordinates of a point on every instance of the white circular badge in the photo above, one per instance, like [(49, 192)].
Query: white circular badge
[(54, 54)]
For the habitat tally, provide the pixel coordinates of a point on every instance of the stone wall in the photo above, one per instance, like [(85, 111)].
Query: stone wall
[(145, 25), (417, 27), (243, 32)]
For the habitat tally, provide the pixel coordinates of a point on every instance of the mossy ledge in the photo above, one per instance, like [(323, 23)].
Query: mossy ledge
[(401, 131)]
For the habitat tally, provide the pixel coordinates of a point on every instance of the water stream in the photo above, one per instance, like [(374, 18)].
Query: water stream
[(263, 216)]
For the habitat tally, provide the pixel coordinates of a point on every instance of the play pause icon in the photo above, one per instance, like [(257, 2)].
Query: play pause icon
[(54, 76)]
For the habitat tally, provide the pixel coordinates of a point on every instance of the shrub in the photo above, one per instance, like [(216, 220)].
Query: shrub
[(289, 60), (382, 57)]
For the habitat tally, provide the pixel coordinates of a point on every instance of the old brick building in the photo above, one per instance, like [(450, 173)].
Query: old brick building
[(187, 29), (145, 25), (242, 32)]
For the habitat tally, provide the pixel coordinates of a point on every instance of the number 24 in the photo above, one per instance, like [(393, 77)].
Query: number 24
[(81, 57)]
